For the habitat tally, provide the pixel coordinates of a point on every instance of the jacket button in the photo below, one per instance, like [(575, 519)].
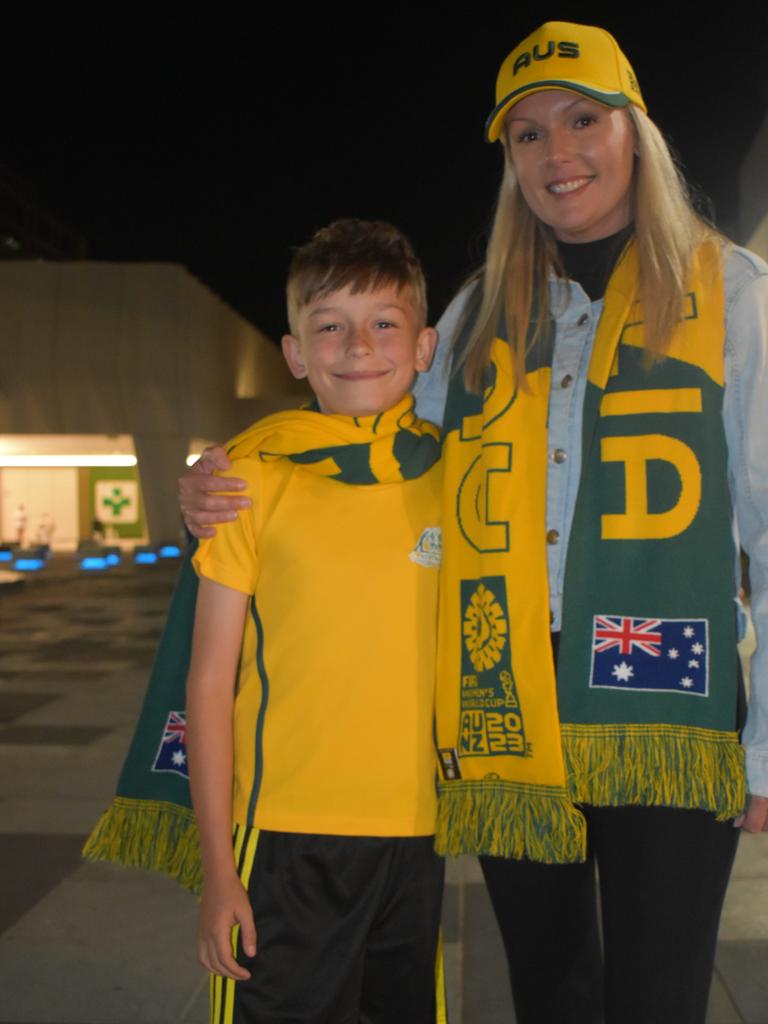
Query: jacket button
[(559, 455), (553, 536), (566, 381)]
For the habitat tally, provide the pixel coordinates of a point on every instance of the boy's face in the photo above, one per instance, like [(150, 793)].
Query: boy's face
[(359, 352)]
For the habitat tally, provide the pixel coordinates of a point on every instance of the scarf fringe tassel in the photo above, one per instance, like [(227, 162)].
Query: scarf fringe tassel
[(149, 834), (505, 819), (654, 765)]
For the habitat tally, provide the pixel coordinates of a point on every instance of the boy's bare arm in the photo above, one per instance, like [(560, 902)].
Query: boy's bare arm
[(210, 700), (205, 498)]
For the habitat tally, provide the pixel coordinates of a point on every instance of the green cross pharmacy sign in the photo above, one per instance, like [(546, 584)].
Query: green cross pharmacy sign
[(116, 501)]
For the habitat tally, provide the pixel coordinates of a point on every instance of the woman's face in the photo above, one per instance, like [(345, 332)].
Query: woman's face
[(574, 160)]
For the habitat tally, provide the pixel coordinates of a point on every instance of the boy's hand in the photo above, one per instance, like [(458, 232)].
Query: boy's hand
[(225, 903), (198, 499)]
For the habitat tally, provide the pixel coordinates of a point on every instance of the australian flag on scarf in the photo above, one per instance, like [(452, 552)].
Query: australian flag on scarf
[(670, 655), (172, 752)]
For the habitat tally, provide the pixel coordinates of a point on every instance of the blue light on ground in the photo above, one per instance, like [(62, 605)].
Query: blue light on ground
[(112, 558), (169, 551), (145, 557), (5, 555), (93, 562), (28, 564)]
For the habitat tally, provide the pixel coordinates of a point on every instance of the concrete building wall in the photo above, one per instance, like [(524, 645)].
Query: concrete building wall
[(139, 349)]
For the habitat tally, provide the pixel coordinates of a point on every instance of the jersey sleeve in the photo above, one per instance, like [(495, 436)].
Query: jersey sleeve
[(231, 557)]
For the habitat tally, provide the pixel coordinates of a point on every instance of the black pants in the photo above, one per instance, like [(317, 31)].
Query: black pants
[(347, 931), (663, 873)]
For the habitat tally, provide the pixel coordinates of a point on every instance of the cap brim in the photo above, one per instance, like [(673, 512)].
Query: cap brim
[(495, 123)]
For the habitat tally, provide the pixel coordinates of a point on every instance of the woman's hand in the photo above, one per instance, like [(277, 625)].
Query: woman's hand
[(225, 904), (756, 817), (199, 498)]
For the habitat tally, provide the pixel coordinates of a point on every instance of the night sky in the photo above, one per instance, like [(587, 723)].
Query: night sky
[(219, 140)]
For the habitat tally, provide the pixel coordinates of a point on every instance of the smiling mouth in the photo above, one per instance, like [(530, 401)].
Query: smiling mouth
[(354, 375), (564, 188)]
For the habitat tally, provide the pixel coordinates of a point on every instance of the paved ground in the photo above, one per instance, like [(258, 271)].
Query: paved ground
[(91, 944)]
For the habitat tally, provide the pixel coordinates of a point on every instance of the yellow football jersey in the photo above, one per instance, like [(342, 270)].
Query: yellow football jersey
[(333, 718)]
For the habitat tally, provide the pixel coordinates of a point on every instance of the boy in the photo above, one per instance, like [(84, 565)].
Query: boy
[(321, 600)]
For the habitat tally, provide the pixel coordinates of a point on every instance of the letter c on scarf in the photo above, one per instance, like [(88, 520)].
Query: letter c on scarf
[(481, 520)]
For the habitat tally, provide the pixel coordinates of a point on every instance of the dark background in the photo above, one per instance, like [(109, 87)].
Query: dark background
[(220, 137)]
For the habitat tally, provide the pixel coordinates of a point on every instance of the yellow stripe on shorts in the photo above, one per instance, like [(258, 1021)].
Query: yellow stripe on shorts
[(441, 1003), (222, 990)]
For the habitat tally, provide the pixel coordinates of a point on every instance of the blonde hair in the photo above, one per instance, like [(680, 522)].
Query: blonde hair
[(522, 253)]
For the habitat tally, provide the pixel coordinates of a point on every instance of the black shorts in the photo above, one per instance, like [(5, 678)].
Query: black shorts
[(347, 931)]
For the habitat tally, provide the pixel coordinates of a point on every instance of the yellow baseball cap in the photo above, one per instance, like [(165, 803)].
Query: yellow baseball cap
[(561, 55)]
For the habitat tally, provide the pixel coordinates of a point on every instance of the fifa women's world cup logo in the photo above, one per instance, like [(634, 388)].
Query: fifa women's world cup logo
[(491, 717), (485, 629)]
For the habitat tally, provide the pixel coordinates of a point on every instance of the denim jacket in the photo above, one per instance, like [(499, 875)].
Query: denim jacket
[(745, 418)]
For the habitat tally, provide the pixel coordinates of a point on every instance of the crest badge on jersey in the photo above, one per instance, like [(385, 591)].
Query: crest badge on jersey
[(172, 753), (428, 548), (650, 655)]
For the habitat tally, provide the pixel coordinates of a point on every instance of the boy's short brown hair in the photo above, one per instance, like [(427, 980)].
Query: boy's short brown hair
[(360, 254)]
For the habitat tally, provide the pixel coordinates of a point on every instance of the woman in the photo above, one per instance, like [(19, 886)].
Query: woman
[(593, 449), (601, 451)]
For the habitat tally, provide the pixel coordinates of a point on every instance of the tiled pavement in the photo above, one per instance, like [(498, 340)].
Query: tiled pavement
[(92, 944)]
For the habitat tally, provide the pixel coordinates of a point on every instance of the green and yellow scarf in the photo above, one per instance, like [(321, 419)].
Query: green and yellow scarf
[(150, 823), (642, 707)]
